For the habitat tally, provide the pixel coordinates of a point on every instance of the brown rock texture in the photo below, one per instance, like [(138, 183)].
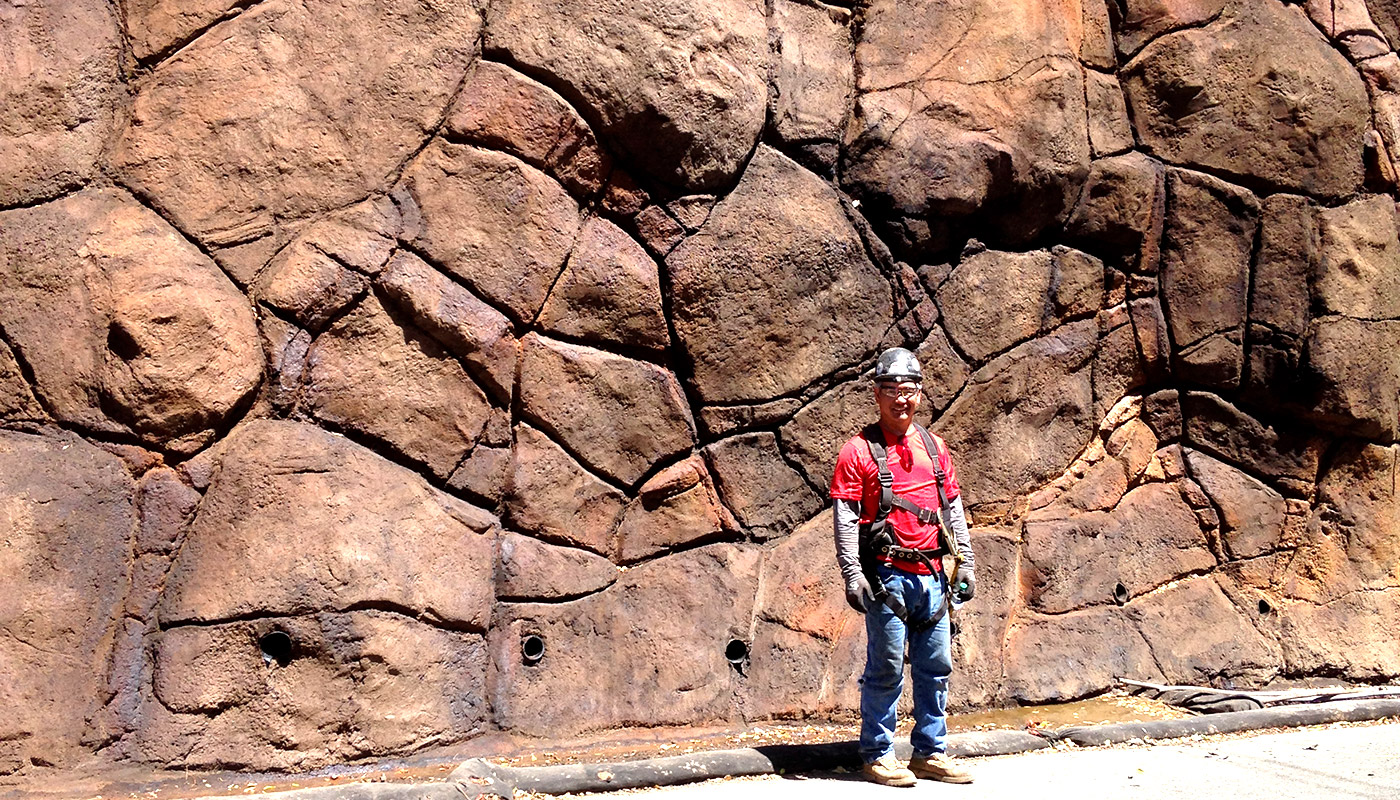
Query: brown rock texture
[(382, 376)]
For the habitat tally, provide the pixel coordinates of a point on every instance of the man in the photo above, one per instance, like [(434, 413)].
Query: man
[(889, 547)]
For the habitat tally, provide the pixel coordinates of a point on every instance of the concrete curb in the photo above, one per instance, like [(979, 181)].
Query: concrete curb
[(478, 778), (1233, 722)]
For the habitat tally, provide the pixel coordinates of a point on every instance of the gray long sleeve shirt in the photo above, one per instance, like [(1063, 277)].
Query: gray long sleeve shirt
[(846, 524)]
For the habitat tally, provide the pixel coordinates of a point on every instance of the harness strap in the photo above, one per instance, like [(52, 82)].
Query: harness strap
[(875, 531)]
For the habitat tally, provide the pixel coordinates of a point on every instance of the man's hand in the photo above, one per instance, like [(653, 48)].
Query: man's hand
[(859, 595), (967, 585)]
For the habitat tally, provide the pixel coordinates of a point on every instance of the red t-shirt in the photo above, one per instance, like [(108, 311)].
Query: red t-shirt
[(857, 478)]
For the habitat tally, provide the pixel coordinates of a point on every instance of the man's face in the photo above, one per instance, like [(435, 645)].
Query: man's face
[(898, 402)]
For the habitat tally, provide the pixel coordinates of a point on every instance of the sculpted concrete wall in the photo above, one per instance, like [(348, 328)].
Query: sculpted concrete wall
[(379, 375)]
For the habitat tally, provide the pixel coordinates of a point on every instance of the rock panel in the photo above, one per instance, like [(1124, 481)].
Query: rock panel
[(497, 223), (1363, 641), (1120, 210), (609, 292), (1359, 269), (291, 109), (620, 415), (1148, 539), (152, 339), (501, 109), (1251, 514), (1279, 453), (375, 376), (801, 588), (290, 498), (995, 300), (1208, 242), (61, 92), (670, 674), (777, 275), (1259, 94), (534, 570), (966, 105), (769, 497), (1212, 644), (676, 508), (69, 518), (678, 88), (471, 329), (1046, 662), (551, 496), (1024, 416), (237, 700), (813, 73)]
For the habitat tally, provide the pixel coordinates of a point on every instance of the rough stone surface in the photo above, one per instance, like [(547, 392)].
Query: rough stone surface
[(677, 508), (994, 300), (497, 223), (534, 570), (620, 415), (68, 515), (413, 684), (1046, 658), (679, 87), (1121, 208), (60, 95), (609, 292), (1208, 241), (946, 94), (1148, 539), (287, 496), (501, 109), (1252, 514), (471, 329), (681, 677), (292, 109), (769, 497), (155, 340), (1214, 643), (777, 273), (1024, 416), (814, 74), (291, 291), (1258, 94), (1359, 269), (375, 376), (551, 496)]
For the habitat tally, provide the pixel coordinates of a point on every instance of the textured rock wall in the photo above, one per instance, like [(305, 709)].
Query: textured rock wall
[(378, 375)]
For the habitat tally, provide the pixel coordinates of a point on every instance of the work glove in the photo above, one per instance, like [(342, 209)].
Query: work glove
[(967, 585), (859, 595)]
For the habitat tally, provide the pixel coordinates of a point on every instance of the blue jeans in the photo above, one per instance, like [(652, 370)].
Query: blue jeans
[(930, 664)]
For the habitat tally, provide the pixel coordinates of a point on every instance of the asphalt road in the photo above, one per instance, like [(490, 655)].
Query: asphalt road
[(1309, 764)]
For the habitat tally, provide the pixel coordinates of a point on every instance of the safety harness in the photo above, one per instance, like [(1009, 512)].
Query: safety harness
[(876, 541)]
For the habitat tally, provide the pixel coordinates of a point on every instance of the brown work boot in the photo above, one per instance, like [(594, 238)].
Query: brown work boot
[(887, 771), (939, 767)]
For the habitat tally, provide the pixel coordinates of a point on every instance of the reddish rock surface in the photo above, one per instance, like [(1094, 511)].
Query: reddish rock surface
[(290, 109), (61, 95), (63, 502), (346, 345), (679, 88), (780, 248), (154, 340)]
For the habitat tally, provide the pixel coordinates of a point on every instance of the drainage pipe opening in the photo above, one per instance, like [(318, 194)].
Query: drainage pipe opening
[(737, 653), (1120, 594), (531, 649), (276, 647)]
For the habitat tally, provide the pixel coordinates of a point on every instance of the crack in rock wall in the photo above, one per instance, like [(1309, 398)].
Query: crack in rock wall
[(378, 376)]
